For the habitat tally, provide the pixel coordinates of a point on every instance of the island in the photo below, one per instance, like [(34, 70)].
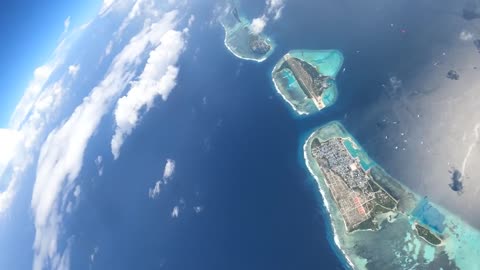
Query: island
[(377, 222), (240, 39), (306, 79)]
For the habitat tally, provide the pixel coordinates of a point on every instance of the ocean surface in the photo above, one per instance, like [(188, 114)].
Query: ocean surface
[(238, 145)]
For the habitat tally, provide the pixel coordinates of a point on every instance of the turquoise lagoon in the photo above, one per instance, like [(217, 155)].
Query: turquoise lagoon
[(396, 244), (327, 62), (238, 35)]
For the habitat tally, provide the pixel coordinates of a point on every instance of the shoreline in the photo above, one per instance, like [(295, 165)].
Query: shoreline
[(285, 98), (458, 242), (319, 104), (258, 60), (325, 202)]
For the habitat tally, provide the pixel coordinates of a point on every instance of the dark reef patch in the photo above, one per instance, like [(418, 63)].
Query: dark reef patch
[(457, 183)]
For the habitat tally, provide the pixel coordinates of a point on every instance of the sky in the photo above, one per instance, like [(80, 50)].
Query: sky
[(30, 32)]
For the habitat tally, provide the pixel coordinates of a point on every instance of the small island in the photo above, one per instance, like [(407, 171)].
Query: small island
[(377, 222), (427, 235), (306, 79), (241, 40)]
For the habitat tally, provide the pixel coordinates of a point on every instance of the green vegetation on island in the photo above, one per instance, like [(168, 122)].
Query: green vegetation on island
[(354, 191), (378, 222), (427, 235), (239, 37), (306, 79)]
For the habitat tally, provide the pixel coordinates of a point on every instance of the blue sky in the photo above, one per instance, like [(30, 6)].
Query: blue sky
[(30, 32)]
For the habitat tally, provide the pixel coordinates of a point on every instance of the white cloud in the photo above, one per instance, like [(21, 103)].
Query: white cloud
[(66, 24), (155, 191), (109, 48), (466, 36), (7, 196), (61, 155), (273, 10), (140, 7), (17, 146), (40, 80), (73, 70), (40, 77), (175, 212), (169, 169), (106, 6), (258, 24), (77, 191), (9, 140), (69, 208), (168, 172), (191, 20), (275, 7), (198, 209), (94, 254), (157, 79), (99, 164)]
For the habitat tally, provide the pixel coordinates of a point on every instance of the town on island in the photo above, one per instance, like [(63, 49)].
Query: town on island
[(377, 222)]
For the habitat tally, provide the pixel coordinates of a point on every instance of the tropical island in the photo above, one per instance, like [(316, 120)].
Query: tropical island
[(306, 79), (378, 223), (241, 40)]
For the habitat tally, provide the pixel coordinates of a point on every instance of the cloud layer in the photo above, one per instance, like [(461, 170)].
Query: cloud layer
[(157, 79), (62, 154)]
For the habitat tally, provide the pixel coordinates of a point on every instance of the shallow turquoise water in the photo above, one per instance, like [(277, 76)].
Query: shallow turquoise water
[(327, 62), (396, 245), (426, 214), (330, 95), (237, 36)]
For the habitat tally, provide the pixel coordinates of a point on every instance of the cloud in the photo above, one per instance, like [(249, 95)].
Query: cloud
[(175, 212), (66, 24), (9, 140), (191, 20), (198, 209), (275, 8), (40, 80), (155, 191), (466, 36), (98, 163), (73, 70), (169, 169), (168, 172), (106, 6), (40, 77), (61, 155), (258, 24), (157, 79), (10, 144), (8, 194), (94, 254), (109, 48), (77, 191), (35, 112)]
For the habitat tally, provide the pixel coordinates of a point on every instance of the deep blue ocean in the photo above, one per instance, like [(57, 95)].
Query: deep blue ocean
[(238, 147)]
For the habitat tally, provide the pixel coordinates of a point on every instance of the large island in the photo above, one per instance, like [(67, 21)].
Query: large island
[(306, 79), (240, 39), (377, 222)]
